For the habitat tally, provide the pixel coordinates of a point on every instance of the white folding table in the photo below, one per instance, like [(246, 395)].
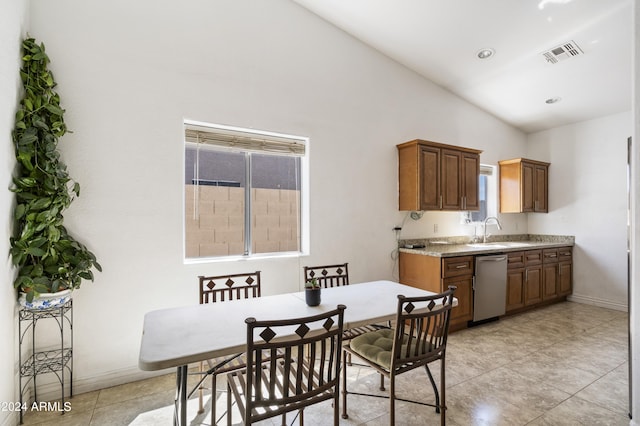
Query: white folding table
[(176, 337)]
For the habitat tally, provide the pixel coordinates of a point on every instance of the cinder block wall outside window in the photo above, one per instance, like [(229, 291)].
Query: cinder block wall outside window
[(217, 229)]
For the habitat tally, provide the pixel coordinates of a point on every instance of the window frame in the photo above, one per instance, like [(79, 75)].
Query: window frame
[(304, 192), (491, 172)]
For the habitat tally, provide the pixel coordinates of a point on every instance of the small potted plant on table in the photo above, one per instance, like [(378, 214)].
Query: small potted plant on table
[(312, 292)]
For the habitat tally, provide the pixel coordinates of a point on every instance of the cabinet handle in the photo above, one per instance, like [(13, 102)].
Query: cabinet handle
[(526, 275), (441, 201), (461, 266)]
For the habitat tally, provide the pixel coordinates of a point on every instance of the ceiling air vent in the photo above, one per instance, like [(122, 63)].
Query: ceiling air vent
[(560, 53)]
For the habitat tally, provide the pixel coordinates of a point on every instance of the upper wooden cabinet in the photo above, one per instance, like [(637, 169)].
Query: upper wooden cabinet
[(524, 186), (435, 176)]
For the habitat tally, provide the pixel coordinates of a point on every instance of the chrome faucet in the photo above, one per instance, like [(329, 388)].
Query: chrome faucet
[(484, 238)]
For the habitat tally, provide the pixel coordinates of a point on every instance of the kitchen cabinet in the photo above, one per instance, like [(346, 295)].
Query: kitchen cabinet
[(550, 273), (435, 176), (515, 281), (524, 186), (532, 277), (565, 271), (538, 276), (524, 279), (436, 274)]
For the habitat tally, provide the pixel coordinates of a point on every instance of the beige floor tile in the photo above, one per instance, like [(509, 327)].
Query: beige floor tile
[(82, 418), (577, 411), (565, 364), (135, 390), (83, 403), (133, 411), (610, 391)]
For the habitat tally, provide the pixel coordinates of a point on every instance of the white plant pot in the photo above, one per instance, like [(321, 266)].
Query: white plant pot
[(45, 300)]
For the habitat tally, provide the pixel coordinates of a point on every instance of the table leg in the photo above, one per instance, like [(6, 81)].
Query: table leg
[(180, 410)]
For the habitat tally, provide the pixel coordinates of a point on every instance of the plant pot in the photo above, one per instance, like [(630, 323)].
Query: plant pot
[(45, 300), (312, 296)]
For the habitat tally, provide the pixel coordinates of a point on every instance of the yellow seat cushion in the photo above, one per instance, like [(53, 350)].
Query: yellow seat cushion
[(376, 346)]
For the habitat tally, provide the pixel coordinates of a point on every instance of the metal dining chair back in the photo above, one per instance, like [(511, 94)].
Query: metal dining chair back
[(229, 287), (328, 275), (291, 364), (419, 338), (215, 289)]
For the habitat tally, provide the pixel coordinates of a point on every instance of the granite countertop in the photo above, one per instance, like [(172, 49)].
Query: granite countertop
[(460, 246)]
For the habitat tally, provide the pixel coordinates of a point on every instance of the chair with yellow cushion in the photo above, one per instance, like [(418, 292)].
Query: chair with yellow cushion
[(419, 338)]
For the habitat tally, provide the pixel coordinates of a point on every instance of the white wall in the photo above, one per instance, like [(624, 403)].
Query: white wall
[(588, 199), (130, 72), (13, 17)]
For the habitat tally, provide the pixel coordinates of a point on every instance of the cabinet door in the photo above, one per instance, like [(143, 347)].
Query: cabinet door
[(470, 181), (464, 293), (527, 190), (451, 180), (515, 289), (533, 285), (429, 176), (540, 189), (565, 277), (549, 281)]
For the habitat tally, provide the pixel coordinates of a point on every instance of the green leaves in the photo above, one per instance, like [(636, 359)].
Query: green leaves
[(47, 257)]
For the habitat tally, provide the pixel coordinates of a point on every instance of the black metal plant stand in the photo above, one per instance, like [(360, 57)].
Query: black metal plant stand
[(56, 361)]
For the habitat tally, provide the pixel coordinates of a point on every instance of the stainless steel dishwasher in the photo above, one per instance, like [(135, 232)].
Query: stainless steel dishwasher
[(489, 287)]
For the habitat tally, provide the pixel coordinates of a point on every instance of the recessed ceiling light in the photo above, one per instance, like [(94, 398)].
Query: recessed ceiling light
[(553, 100), (486, 53)]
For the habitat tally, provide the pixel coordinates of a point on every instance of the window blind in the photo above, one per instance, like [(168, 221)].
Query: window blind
[(243, 141)]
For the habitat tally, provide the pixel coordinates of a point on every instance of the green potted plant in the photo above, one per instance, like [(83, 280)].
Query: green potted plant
[(48, 259), (312, 292)]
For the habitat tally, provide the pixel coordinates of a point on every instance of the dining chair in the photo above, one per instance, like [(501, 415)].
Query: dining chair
[(328, 275), (215, 289), (419, 338), (335, 276), (279, 378)]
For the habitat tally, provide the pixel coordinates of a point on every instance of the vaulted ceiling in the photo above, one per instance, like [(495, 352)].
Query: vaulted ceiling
[(578, 52)]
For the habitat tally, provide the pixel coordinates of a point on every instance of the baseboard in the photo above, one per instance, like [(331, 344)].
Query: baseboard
[(603, 303)]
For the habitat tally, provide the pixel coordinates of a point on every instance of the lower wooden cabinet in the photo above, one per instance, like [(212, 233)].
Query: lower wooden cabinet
[(515, 288), (537, 276), (437, 274), (550, 273), (565, 271), (533, 277), (464, 293), (533, 285)]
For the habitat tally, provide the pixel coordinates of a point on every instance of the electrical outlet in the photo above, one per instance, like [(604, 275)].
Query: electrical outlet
[(435, 228)]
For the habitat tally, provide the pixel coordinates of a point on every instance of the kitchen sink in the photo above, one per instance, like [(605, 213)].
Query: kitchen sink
[(487, 245), (499, 244)]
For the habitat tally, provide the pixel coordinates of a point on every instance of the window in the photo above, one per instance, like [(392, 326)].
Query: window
[(487, 194), (243, 192)]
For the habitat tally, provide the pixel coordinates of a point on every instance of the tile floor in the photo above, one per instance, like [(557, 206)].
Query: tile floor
[(566, 364)]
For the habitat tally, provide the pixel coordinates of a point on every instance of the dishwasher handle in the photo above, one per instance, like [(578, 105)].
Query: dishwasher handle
[(491, 258)]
